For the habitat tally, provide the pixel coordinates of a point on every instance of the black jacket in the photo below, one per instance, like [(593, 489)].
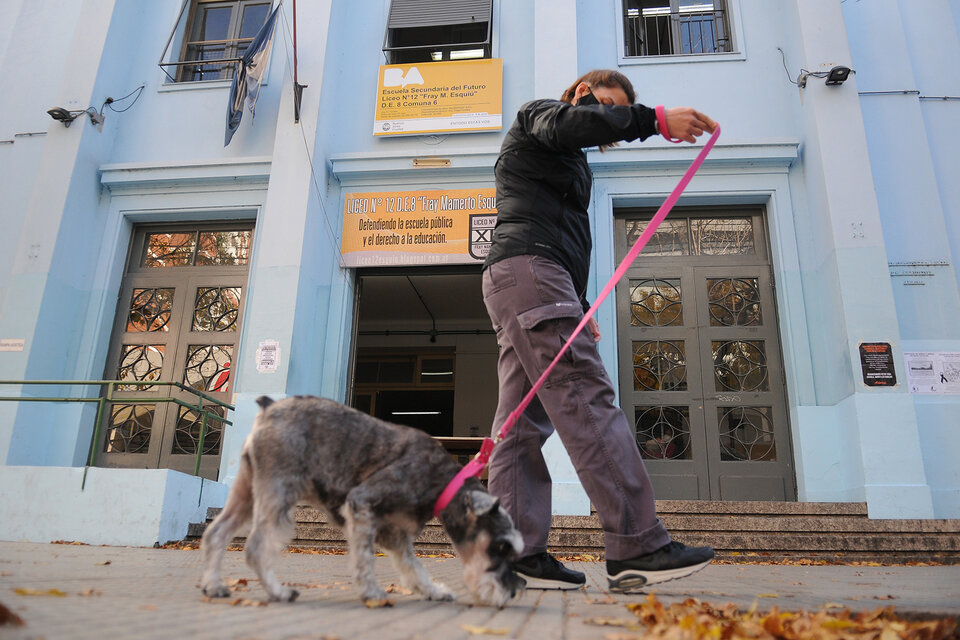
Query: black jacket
[(543, 180)]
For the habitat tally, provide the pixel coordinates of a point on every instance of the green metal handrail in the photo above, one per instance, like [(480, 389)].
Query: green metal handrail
[(103, 400)]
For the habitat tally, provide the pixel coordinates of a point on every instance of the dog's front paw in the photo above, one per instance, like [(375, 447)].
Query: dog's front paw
[(285, 594), (216, 591), (440, 591), (374, 595)]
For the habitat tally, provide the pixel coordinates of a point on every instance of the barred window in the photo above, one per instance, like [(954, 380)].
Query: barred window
[(675, 27)]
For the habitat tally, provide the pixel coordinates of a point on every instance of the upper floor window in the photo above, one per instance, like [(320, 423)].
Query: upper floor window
[(438, 30), (216, 35), (675, 27)]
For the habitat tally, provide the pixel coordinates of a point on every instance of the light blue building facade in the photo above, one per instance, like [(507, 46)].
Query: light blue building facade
[(849, 193)]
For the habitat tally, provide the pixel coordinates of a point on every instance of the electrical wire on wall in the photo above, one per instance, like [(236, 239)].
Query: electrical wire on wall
[(109, 102), (332, 235), (835, 76)]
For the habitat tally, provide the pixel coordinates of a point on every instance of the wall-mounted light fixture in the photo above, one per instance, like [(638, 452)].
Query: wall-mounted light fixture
[(838, 75), (67, 117)]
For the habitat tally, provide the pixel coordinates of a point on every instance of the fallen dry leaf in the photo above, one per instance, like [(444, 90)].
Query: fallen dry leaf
[(186, 546), (317, 585), (768, 595), (9, 617), (606, 600), (479, 631), (244, 602), (378, 604), (578, 557), (317, 552), (627, 623), (238, 584), (696, 620), (235, 602), (40, 592), (395, 588)]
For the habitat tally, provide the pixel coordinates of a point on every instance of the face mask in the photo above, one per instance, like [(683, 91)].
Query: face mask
[(587, 99)]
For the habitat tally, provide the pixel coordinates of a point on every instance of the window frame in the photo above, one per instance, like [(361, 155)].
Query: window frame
[(389, 50), (181, 39), (736, 36)]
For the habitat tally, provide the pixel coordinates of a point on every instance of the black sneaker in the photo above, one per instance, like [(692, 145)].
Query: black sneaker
[(543, 571), (669, 562)]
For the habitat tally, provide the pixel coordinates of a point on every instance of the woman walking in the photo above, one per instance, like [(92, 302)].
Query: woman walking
[(534, 280)]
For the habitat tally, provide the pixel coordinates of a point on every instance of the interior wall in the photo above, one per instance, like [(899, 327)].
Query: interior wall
[(475, 378)]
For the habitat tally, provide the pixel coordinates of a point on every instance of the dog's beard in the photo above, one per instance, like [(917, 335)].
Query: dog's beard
[(486, 568)]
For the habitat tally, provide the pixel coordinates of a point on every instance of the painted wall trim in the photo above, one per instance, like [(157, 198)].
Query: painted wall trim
[(356, 169), (771, 155), (130, 176)]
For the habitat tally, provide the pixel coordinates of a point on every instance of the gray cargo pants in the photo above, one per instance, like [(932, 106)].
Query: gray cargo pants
[(534, 309)]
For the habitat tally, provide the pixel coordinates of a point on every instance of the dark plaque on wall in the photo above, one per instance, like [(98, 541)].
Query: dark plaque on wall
[(876, 361)]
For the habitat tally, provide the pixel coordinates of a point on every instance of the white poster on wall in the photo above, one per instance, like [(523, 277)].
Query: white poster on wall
[(933, 371), (268, 356)]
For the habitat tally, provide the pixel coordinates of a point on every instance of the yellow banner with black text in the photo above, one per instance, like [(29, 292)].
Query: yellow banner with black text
[(439, 97), (452, 226)]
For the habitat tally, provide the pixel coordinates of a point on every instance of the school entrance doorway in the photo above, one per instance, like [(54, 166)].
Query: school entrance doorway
[(426, 355), (701, 374)]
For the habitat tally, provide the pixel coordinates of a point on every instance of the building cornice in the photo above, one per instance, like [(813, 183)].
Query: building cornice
[(211, 174), (769, 156), (364, 169)]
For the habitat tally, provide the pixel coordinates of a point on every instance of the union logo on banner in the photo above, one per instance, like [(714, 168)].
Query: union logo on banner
[(481, 234)]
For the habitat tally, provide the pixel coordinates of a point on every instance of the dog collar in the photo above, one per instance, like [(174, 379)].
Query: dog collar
[(472, 469)]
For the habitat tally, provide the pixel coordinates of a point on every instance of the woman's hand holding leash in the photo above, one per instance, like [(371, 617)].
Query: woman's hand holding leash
[(683, 123)]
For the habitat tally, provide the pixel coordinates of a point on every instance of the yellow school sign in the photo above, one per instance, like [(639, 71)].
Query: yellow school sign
[(439, 97), (417, 227)]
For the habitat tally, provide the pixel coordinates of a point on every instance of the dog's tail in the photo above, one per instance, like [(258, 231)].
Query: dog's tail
[(264, 402)]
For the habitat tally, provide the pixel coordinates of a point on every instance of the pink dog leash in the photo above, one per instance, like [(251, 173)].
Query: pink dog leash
[(476, 466)]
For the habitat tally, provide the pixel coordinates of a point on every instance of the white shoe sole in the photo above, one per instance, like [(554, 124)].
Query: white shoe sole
[(539, 583), (633, 579)]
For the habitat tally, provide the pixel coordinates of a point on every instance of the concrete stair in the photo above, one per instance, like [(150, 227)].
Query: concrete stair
[(741, 531)]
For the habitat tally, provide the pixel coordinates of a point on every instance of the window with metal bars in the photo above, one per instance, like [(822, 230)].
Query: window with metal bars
[(675, 27)]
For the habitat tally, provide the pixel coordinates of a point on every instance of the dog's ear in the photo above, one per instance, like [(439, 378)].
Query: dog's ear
[(481, 503), (264, 402)]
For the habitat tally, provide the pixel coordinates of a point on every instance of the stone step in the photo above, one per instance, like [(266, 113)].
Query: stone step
[(745, 530)]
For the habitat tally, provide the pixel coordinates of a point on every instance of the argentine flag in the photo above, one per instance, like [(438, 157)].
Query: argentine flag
[(246, 82)]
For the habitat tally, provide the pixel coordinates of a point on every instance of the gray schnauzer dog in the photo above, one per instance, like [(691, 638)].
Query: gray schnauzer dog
[(378, 481)]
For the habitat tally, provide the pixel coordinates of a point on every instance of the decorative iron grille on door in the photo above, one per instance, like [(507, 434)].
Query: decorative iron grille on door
[(178, 320), (700, 367)]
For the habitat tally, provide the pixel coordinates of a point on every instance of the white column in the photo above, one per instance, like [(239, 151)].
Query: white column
[(844, 217)]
